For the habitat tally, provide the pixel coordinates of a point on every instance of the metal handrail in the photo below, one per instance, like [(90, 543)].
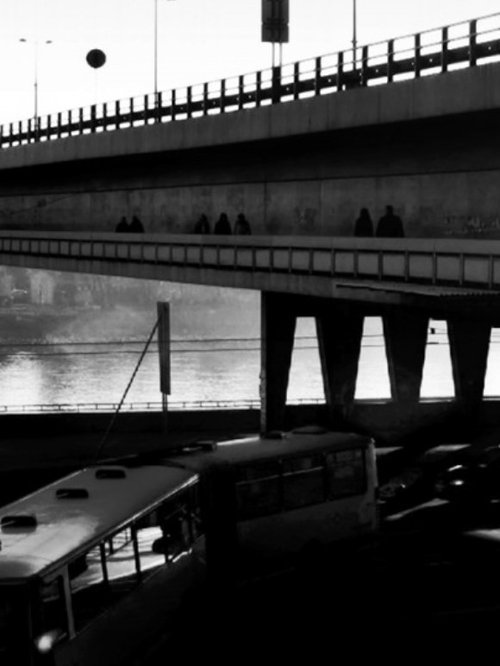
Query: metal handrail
[(327, 73), (147, 406)]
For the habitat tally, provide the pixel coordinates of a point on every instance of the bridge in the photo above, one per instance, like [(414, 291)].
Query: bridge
[(299, 149)]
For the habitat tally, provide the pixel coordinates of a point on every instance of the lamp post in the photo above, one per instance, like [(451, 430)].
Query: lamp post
[(156, 49), (35, 82)]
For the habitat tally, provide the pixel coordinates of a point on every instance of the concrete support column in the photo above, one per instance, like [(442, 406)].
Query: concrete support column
[(405, 336), (278, 320), (339, 339), (469, 346)]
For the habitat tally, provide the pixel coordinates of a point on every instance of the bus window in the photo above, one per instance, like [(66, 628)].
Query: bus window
[(346, 473), (303, 481), (258, 490), (180, 526)]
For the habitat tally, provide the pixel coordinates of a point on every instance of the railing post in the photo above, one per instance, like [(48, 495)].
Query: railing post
[(222, 100), (189, 101), (296, 75), (390, 61), (340, 70), (105, 116), (317, 76), (11, 133), (146, 110), (205, 99), (48, 129), (444, 50), (19, 132), (80, 121), (173, 104), (131, 112), (1, 137), (59, 125), (70, 122), (241, 92), (472, 43), (93, 118), (418, 60), (276, 85), (364, 66), (117, 114), (258, 88), (159, 104)]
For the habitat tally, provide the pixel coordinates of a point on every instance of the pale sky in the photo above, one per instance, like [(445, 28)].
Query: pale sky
[(199, 40)]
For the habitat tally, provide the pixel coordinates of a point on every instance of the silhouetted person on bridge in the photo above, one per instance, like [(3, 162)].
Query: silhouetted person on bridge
[(242, 226), (390, 225), (202, 226), (122, 227), (136, 226), (363, 225), (222, 226)]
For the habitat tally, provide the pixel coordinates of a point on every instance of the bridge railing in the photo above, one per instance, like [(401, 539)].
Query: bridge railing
[(150, 406), (459, 45), (441, 262)]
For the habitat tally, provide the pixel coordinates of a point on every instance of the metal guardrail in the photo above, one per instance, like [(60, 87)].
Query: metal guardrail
[(453, 263), (105, 407), (433, 51)]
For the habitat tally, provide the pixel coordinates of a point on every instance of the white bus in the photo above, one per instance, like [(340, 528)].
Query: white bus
[(95, 566)]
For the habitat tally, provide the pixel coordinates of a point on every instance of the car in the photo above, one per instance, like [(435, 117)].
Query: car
[(474, 479)]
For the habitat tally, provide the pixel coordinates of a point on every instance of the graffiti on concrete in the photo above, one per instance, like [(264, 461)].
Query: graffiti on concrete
[(471, 225)]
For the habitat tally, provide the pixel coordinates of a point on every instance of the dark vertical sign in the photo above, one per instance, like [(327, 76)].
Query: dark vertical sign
[(275, 21), (163, 310)]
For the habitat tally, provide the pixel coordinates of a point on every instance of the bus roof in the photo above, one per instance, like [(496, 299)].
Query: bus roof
[(69, 527), (256, 448)]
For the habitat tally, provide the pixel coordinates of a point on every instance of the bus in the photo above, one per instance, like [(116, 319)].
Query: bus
[(97, 565)]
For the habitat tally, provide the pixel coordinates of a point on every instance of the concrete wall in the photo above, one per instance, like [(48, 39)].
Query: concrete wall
[(429, 147)]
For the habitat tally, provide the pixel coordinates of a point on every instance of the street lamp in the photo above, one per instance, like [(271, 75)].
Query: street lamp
[(35, 84), (156, 50)]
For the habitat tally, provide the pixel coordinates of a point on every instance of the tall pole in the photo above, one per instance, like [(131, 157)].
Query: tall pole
[(354, 35), (156, 53), (35, 73)]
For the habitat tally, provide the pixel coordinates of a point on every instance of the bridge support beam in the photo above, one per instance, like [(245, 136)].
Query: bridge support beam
[(469, 346), (278, 320), (339, 331), (405, 335)]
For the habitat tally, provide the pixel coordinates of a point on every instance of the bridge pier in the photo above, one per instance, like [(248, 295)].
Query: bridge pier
[(405, 335), (339, 329), (469, 346)]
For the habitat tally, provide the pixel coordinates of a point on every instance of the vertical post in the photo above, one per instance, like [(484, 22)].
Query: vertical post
[(317, 76), (146, 109), (390, 60), (444, 50), (472, 42), (117, 114), (258, 89), (205, 99), (296, 79), (189, 101), (92, 118), (364, 66), (418, 62), (163, 310), (105, 116), (222, 101), (276, 85), (131, 112), (59, 125), (240, 92), (173, 103), (80, 121), (354, 34), (340, 70)]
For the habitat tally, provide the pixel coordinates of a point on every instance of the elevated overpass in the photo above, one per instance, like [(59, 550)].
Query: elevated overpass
[(299, 150)]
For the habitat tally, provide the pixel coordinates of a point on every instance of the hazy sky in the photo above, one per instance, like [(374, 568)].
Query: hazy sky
[(199, 40)]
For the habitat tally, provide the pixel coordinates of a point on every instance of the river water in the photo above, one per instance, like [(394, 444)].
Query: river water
[(221, 366)]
